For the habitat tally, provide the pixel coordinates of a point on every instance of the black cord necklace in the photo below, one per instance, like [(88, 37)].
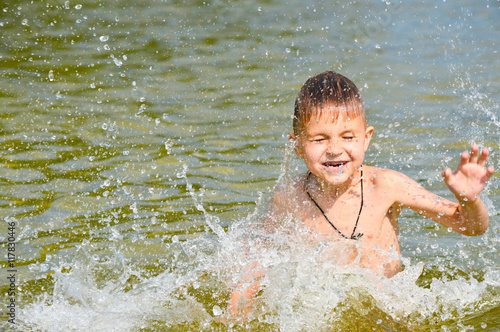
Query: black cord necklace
[(353, 236)]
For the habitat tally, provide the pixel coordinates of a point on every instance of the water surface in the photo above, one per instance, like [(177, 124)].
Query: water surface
[(138, 138)]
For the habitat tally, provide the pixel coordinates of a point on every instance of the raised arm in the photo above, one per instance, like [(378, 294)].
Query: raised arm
[(469, 216), (466, 183)]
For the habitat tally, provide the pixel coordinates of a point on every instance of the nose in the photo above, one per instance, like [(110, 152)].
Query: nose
[(333, 147)]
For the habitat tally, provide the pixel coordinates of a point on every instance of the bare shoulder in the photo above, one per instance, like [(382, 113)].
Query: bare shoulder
[(292, 188), (287, 192), (393, 184), (386, 178)]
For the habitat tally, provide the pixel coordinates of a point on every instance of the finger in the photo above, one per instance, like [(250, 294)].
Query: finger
[(474, 153), (464, 159), (489, 171), (446, 175), (483, 157)]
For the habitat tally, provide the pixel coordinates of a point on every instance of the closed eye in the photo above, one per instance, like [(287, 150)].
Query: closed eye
[(318, 140)]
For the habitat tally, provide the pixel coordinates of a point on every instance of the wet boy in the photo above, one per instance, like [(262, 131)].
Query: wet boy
[(340, 199)]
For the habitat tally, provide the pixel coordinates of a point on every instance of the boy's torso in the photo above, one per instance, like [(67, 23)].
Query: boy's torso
[(378, 247)]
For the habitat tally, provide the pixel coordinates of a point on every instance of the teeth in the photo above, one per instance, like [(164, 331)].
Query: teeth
[(335, 164)]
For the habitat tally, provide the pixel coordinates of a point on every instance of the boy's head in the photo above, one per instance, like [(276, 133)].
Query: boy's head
[(330, 130), (328, 94)]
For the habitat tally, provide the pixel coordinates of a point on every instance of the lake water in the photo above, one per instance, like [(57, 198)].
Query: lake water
[(139, 139)]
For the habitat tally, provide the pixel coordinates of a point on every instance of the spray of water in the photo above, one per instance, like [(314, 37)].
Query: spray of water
[(303, 288)]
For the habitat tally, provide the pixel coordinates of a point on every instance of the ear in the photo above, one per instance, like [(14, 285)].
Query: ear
[(296, 144), (368, 136)]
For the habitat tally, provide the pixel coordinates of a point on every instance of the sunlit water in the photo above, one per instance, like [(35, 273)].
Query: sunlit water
[(140, 142)]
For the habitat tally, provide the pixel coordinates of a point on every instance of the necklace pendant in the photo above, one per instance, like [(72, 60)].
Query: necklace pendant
[(357, 236)]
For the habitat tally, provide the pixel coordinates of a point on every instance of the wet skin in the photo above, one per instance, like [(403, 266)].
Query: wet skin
[(333, 152)]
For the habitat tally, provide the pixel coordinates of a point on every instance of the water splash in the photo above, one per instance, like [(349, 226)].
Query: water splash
[(303, 287), (211, 220)]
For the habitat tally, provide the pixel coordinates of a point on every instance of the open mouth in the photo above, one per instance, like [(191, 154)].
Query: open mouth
[(335, 165)]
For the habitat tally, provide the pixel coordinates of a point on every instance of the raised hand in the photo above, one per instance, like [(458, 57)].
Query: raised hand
[(471, 175)]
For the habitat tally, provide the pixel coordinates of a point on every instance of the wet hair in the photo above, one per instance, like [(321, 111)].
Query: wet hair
[(327, 94)]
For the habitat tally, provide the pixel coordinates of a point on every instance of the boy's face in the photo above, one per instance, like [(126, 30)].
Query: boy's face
[(334, 151)]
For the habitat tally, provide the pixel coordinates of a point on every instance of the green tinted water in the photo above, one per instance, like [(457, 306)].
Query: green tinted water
[(104, 103)]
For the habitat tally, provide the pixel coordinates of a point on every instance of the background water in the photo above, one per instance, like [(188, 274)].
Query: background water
[(137, 137)]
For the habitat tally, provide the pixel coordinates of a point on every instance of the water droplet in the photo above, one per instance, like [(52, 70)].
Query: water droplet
[(168, 145), (104, 38), (133, 207), (217, 310), (117, 62), (25, 22), (78, 6), (51, 75)]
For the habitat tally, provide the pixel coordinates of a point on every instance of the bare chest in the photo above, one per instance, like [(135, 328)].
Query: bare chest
[(352, 215)]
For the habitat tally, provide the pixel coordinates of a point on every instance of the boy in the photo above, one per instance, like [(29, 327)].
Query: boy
[(339, 198)]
